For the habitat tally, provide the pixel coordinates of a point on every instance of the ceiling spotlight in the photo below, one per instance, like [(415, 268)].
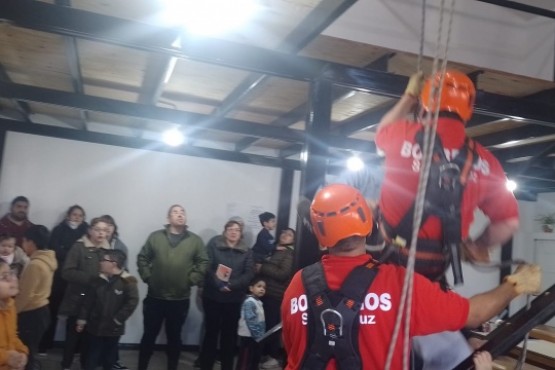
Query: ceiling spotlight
[(209, 17), (173, 137), (511, 185), (355, 164)]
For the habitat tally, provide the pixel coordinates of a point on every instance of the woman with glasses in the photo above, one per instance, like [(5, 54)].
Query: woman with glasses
[(230, 269), (81, 267)]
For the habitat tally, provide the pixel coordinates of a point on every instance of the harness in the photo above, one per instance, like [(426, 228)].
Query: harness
[(443, 199), (333, 317)]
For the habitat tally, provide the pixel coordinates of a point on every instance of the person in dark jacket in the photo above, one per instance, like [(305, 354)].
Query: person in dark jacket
[(229, 272), (265, 242), (116, 243), (171, 262), (276, 272), (62, 238), (80, 269), (110, 301)]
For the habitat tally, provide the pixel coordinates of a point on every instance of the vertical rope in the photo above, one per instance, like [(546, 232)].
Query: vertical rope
[(422, 36), (430, 126)]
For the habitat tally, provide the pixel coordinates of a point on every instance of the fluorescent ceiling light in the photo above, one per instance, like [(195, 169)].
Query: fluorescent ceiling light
[(173, 137), (355, 164), (208, 17), (507, 144), (511, 185)]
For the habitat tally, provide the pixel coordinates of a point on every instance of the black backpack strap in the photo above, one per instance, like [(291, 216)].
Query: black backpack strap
[(316, 289), (333, 317), (354, 290)]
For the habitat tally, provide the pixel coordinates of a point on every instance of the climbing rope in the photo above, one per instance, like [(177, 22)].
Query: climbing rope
[(430, 125)]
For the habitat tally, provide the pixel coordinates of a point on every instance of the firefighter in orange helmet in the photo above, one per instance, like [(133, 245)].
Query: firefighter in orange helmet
[(339, 313), (480, 184)]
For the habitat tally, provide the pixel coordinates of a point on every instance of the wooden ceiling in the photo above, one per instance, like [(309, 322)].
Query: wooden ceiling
[(88, 65)]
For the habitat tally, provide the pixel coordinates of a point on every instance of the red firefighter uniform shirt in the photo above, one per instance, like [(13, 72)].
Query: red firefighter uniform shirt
[(485, 188), (433, 310)]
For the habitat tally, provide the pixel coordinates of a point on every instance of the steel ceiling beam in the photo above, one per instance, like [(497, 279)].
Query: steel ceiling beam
[(530, 150), (72, 22), (364, 121), (519, 133), (521, 7), (137, 143), (193, 121), (22, 107), (486, 103), (324, 14)]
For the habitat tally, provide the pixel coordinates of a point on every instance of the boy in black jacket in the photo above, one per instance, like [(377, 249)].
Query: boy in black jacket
[(265, 243), (111, 300)]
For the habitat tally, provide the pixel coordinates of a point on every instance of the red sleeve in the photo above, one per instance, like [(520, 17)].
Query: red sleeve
[(435, 310), (499, 203), (293, 309), (391, 136)]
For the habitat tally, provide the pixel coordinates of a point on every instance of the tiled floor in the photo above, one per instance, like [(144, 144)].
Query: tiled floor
[(128, 358)]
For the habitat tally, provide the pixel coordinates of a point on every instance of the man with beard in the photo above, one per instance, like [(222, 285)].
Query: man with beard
[(15, 223)]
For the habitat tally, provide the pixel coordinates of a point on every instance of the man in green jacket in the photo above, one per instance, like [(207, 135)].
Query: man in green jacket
[(170, 263)]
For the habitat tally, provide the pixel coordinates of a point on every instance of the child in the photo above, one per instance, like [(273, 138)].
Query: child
[(251, 326), (264, 246), (110, 301), (13, 353), (34, 289), (12, 254)]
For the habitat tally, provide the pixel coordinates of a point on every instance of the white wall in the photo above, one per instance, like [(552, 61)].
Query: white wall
[(483, 35), (136, 187)]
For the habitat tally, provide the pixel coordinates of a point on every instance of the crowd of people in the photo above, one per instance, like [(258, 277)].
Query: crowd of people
[(79, 271)]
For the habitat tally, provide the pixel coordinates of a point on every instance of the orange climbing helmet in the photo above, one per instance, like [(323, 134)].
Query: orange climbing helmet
[(339, 211), (457, 95)]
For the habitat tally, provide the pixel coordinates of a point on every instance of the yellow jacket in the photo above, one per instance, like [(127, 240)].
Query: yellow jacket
[(8, 333), (35, 282)]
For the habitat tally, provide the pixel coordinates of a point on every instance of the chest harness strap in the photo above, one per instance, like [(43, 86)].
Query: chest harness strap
[(333, 317), (443, 200)]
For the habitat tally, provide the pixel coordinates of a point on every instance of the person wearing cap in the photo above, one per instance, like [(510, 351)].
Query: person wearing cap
[(341, 219)]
